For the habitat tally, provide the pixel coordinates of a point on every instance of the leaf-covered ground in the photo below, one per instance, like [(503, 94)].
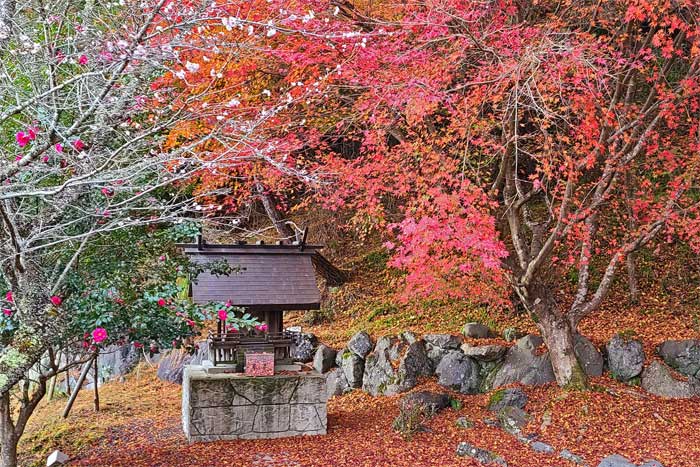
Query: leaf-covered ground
[(140, 421), (140, 426)]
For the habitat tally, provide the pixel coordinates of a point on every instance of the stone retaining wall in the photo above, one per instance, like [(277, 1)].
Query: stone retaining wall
[(232, 406)]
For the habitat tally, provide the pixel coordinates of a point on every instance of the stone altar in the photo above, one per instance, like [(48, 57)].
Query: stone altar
[(224, 406)]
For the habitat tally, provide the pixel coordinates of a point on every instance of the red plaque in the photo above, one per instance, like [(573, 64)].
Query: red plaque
[(259, 364)]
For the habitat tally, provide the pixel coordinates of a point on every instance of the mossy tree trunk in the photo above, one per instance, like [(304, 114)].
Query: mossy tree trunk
[(558, 333)]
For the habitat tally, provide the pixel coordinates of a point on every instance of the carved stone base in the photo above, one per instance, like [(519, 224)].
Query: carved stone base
[(224, 406)]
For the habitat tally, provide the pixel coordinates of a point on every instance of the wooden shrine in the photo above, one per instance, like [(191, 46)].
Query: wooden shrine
[(269, 280)]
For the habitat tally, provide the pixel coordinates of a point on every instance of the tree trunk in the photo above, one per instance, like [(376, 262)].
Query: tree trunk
[(8, 439), (558, 334), (275, 215), (559, 338), (632, 282)]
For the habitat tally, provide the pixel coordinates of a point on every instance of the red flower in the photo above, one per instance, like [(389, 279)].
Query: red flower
[(161, 302), (99, 334), (22, 139), (108, 192), (78, 145), (7, 312), (9, 297), (56, 300), (83, 60)]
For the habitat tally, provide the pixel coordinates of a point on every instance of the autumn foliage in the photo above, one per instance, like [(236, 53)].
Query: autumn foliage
[(494, 145)]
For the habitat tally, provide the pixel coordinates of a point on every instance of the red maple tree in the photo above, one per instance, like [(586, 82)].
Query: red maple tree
[(495, 145)]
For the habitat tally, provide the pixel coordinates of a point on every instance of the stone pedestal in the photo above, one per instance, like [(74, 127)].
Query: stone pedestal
[(224, 406)]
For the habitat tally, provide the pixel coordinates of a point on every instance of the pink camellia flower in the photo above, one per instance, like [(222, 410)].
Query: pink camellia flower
[(190, 323), (60, 56), (18, 158), (261, 327), (161, 302), (99, 334), (138, 345), (56, 300), (108, 192), (161, 258), (83, 60), (45, 159), (9, 297), (58, 147), (223, 315), (22, 139), (78, 144), (7, 312), (31, 132)]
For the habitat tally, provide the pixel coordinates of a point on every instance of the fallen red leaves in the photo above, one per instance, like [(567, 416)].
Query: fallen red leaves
[(144, 430)]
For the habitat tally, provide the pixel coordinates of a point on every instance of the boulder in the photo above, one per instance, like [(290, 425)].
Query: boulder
[(336, 384), (459, 372), (484, 353), (438, 345), (683, 356), (118, 360), (324, 358), (481, 455), (539, 446), (433, 402), (616, 461), (522, 366), (360, 344), (530, 342), (395, 365), (588, 356), (303, 349), (444, 341), (657, 379), (513, 419), (353, 368), (511, 397), (172, 364), (625, 358), (476, 330)]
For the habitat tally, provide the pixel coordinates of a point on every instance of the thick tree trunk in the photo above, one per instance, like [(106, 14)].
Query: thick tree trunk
[(8, 438), (558, 334), (559, 338)]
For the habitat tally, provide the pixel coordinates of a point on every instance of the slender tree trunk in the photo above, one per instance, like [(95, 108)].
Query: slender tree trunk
[(8, 438), (96, 380), (630, 260), (632, 283)]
